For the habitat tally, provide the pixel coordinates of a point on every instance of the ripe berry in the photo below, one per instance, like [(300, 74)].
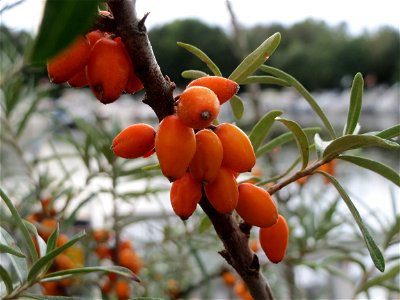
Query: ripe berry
[(238, 151), (224, 88), (223, 192), (108, 69), (255, 206), (185, 193), (198, 107), (122, 290), (69, 62), (79, 80), (228, 278), (175, 147), (103, 251), (133, 84), (46, 228), (64, 262), (94, 36), (208, 156), (274, 240), (129, 259), (134, 141)]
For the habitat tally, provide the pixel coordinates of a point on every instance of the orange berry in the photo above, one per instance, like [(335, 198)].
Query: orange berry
[(238, 151), (126, 244), (224, 88), (329, 168), (122, 289), (134, 141), (175, 147), (64, 262), (240, 288), (79, 80), (256, 206), (103, 251), (61, 240), (46, 228), (185, 194), (94, 36), (69, 61), (51, 288), (274, 240), (198, 107), (129, 259), (106, 287), (228, 278), (133, 84), (107, 70), (101, 235), (223, 192), (254, 245), (208, 156)]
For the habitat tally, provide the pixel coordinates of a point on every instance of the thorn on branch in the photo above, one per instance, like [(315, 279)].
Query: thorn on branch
[(141, 22), (225, 254)]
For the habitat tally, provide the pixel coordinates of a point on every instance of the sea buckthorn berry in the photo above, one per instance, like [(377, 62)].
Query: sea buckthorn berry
[(46, 227), (274, 240), (103, 251), (69, 61), (185, 193), (208, 156), (175, 147), (79, 80), (122, 289), (134, 141), (224, 88), (64, 262), (61, 240), (133, 84), (101, 235), (223, 192), (51, 288), (129, 259), (254, 245), (228, 278), (106, 287), (94, 36), (107, 70), (255, 206), (238, 151), (198, 107)]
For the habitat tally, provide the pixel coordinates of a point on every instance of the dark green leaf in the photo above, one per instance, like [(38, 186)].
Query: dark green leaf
[(261, 129), (379, 280), (202, 56), (264, 80), (6, 278), (348, 142), (374, 166), (256, 58), (62, 22), (301, 139), (193, 74), (373, 249), (390, 132), (52, 241), (11, 250), (302, 91), (355, 104), (237, 106), (43, 297)]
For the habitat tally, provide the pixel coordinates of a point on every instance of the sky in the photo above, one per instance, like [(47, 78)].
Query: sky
[(359, 15)]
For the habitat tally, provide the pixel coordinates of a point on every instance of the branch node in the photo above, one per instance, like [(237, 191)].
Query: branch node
[(141, 22), (245, 228)]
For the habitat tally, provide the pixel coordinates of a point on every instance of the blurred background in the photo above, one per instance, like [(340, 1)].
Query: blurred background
[(55, 143)]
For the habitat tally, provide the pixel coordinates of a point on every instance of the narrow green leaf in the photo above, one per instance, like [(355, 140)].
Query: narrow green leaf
[(12, 251), (373, 249), (256, 58), (202, 56), (306, 95), (33, 231), (17, 218), (320, 145), (261, 129), (71, 218), (374, 166), (348, 142), (6, 279), (43, 297), (113, 269), (392, 232), (237, 106), (301, 139), (265, 80), (52, 241), (151, 167), (193, 74), (355, 104), (44, 261), (379, 280), (390, 132), (62, 22), (283, 139)]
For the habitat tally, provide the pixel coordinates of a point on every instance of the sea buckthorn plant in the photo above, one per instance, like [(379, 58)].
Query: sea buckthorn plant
[(210, 165)]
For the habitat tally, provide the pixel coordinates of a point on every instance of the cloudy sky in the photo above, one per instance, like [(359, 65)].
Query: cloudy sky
[(359, 15)]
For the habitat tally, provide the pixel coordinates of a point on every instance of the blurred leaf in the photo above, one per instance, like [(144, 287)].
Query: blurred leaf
[(301, 139), (17, 218), (261, 129), (205, 224), (7, 249), (6, 278), (380, 279), (303, 91), (32, 109), (33, 231), (283, 139), (373, 249), (193, 74), (355, 104), (43, 297), (348, 142), (389, 132), (202, 56), (52, 241), (256, 58), (62, 22), (374, 166), (392, 232), (71, 218), (320, 145), (44, 261), (264, 80), (237, 106)]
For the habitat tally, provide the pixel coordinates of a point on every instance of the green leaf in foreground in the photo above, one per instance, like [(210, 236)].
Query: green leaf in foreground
[(355, 104), (348, 142), (237, 106), (12, 251), (5, 277), (193, 74), (373, 249), (202, 56), (389, 132), (62, 21), (374, 166), (256, 58), (261, 129)]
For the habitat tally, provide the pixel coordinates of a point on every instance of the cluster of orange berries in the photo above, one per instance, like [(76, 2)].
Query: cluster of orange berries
[(124, 255), (238, 285), (98, 60)]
